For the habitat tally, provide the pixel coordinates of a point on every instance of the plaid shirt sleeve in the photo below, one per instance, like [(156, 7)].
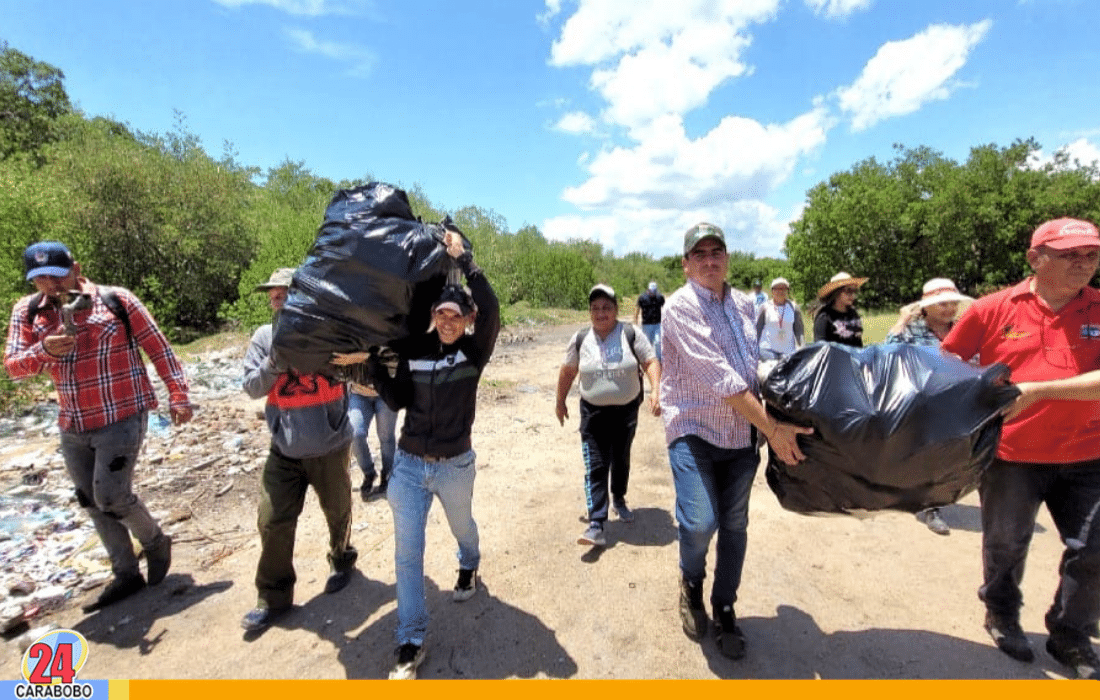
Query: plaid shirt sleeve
[(156, 346), (103, 379), (24, 355)]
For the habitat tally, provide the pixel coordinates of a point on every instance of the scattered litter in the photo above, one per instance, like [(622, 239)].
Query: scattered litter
[(49, 550)]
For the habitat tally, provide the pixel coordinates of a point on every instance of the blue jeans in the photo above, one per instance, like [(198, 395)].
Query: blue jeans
[(412, 485), (652, 333), (361, 409), (1011, 494), (101, 466), (712, 495)]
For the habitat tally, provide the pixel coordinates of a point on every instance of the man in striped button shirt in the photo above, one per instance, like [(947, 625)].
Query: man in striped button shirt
[(712, 415)]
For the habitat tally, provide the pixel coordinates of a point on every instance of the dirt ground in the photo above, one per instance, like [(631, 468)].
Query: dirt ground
[(822, 597)]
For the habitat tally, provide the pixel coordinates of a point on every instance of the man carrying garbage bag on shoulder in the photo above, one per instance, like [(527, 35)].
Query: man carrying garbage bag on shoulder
[(310, 446)]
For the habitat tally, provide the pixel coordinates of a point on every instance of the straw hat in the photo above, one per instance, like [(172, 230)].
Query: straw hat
[(840, 279)]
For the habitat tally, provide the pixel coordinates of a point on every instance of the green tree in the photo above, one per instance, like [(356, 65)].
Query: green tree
[(167, 223), (284, 215), (922, 216), (32, 98)]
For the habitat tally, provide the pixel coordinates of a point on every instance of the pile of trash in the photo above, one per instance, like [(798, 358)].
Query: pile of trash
[(49, 550)]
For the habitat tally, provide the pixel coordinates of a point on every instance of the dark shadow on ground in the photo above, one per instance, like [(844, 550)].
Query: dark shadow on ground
[(652, 527), (126, 624), (791, 645), (482, 638), (330, 616)]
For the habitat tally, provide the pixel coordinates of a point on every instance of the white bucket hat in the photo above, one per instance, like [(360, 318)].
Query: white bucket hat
[(939, 290)]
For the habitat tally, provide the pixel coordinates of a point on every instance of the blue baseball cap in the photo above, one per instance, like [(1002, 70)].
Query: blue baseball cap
[(47, 258)]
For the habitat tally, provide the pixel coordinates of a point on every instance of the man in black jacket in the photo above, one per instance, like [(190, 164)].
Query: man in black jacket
[(436, 383)]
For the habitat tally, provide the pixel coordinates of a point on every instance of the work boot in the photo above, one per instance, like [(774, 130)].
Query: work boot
[(118, 589), (158, 559), (730, 639), (1078, 656), (1009, 636), (693, 615)]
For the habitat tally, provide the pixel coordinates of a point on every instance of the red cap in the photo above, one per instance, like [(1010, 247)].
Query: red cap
[(1062, 234)]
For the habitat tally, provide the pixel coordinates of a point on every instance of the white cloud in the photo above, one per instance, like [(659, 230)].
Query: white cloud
[(739, 158), (553, 7), (749, 225), (905, 75), (308, 8), (652, 62), (651, 58), (361, 59), (576, 123), (836, 9), (1082, 151), (667, 182)]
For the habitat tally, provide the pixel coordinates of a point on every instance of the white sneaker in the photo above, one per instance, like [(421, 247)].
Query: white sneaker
[(466, 585), (409, 658)]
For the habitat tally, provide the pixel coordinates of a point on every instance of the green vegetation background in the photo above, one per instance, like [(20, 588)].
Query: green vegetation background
[(192, 233)]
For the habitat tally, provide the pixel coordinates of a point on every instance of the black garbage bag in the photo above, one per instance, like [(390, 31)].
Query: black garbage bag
[(369, 279), (896, 427)]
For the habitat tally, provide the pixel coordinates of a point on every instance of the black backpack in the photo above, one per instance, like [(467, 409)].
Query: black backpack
[(110, 300)]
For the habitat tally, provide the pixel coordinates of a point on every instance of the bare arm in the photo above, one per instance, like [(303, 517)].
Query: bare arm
[(653, 371), (565, 380), (1083, 387)]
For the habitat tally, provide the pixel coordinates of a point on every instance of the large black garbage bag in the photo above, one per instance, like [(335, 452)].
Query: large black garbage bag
[(369, 279), (895, 427)]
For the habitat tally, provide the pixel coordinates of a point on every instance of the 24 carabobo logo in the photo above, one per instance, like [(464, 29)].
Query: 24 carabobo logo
[(50, 666)]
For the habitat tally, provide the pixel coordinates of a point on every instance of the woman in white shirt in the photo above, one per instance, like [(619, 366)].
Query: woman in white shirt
[(779, 323)]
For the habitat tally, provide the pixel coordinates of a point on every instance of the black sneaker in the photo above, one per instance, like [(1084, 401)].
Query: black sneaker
[(730, 639), (622, 510), (258, 619), (466, 585), (693, 615), (378, 493), (159, 559), (1008, 635), (337, 580), (118, 589), (366, 489), (1080, 657), (409, 658)]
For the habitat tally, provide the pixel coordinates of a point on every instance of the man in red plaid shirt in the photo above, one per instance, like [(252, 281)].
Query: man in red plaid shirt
[(104, 396)]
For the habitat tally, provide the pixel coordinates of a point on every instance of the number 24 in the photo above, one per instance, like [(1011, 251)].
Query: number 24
[(52, 663)]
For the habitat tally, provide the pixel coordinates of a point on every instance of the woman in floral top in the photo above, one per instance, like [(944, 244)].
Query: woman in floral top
[(926, 322)]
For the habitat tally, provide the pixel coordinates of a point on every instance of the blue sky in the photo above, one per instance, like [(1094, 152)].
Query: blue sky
[(621, 121)]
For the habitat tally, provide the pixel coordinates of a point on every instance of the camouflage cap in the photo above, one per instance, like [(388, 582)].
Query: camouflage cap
[(280, 278), (700, 231)]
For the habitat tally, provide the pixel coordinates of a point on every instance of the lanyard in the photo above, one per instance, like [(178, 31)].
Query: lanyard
[(781, 311)]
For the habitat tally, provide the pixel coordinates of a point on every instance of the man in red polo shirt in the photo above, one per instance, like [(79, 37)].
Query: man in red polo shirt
[(1044, 328)]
